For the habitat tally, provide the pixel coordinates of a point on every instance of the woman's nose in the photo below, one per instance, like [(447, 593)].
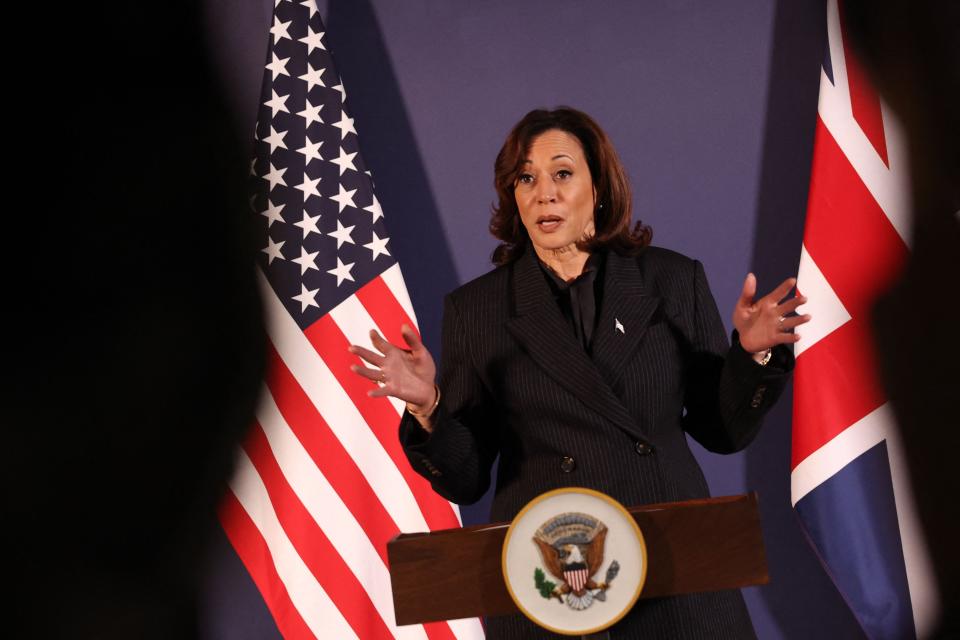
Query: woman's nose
[(546, 191)]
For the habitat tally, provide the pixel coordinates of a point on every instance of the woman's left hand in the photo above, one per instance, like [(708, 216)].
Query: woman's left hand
[(763, 324)]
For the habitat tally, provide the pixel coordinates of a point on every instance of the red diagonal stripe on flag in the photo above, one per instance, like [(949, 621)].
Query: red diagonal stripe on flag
[(847, 233), (385, 310), (253, 552), (859, 252), (328, 454), (838, 388), (312, 544), (380, 416), (439, 631), (339, 468)]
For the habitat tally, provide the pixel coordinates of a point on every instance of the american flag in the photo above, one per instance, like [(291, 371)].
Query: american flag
[(322, 483), (849, 481)]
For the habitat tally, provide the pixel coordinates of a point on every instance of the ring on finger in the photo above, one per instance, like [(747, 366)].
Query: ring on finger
[(780, 323), (383, 377)]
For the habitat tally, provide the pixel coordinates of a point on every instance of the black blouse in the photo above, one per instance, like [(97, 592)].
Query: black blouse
[(580, 298)]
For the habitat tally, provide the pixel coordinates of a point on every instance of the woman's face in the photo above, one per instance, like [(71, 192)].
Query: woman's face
[(554, 192)]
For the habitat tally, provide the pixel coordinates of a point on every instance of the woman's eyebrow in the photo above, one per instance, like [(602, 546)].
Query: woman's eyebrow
[(556, 157)]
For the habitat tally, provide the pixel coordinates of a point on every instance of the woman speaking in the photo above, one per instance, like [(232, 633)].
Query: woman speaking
[(584, 358)]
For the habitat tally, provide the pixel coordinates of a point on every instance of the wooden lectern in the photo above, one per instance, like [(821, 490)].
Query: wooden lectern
[(697, 545)]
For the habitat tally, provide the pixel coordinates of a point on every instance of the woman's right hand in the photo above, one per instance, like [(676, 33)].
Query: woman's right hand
[(407, 374)]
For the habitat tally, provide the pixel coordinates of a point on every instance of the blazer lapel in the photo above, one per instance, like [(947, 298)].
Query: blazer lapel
[(539, 326), (625, 314)]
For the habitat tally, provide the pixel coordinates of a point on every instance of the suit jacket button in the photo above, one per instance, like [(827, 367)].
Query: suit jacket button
[(643, 448), (568, 464)]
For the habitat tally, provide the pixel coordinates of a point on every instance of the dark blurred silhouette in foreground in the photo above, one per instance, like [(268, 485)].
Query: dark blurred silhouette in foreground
[(137, 338), (911, 51)]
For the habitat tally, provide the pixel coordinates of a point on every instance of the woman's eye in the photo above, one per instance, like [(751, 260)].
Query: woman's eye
[(525, 178), (563, 174)]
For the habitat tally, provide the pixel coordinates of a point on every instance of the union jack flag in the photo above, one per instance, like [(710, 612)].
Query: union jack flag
[(849, 482), (322, 483)]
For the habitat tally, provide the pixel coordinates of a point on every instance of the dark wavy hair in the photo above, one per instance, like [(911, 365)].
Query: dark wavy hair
[(611, 217)]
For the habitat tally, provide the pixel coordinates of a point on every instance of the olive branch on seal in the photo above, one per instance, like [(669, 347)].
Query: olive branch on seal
[(544, 586)]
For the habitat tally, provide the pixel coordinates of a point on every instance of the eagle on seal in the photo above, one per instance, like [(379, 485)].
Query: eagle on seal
[(574, 564)]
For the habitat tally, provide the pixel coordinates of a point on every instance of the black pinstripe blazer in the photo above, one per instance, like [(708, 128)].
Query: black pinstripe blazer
[(516, 383)]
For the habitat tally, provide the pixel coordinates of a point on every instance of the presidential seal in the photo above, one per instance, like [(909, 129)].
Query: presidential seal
[(571, 547), (574, 561)]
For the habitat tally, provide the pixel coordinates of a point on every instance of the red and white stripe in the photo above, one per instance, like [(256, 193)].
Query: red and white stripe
[(322, 483), (577, 579), (854, 244)]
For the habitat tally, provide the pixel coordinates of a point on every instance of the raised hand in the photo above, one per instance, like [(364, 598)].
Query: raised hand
[(763, 323), (407, 374)]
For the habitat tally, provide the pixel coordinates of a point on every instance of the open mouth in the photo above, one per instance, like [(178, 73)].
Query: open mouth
[(549, 223)]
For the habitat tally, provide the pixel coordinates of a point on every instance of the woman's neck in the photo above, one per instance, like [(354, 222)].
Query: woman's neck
[(566, 262)]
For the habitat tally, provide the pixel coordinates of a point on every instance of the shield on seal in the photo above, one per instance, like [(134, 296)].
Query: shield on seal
[(576, 578)]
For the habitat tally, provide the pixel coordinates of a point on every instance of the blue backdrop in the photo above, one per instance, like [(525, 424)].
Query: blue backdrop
[(712, 108)]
